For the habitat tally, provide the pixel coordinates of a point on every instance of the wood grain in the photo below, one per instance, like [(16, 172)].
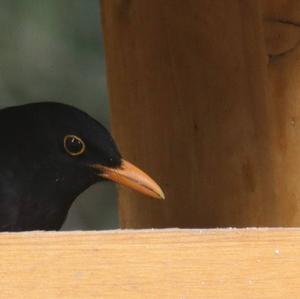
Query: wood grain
[(187, 85), (152, 264), (282, 32)]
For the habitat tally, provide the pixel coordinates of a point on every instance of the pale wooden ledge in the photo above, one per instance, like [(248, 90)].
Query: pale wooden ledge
[(248, 263)]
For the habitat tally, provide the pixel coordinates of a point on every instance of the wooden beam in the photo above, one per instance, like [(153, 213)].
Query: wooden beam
[(231, 263), (188, 85)]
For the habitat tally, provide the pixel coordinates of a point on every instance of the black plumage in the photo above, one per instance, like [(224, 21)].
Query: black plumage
[(49, 154)]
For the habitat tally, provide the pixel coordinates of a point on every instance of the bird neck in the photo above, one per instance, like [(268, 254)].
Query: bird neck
[(49, 195)]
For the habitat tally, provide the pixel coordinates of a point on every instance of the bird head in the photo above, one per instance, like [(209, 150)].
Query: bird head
[(67, 142)]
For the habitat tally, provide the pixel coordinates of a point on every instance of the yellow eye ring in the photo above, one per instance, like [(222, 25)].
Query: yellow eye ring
[(74, 145)]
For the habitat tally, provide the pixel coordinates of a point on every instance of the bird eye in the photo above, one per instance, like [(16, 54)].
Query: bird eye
[(74, 145)]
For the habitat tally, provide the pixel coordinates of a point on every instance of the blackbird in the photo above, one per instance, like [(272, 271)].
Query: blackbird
[(49, 154)]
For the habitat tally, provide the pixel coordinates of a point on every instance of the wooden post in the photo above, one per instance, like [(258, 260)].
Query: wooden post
[(189, 100)]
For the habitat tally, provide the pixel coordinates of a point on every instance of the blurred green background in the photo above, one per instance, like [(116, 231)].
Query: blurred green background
[(53, 51)]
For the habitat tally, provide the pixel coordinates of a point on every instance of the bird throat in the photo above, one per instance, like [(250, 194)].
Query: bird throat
[(45, 205)]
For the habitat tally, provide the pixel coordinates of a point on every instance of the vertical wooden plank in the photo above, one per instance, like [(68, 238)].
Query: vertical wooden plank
[(187, 85), (282, 34)]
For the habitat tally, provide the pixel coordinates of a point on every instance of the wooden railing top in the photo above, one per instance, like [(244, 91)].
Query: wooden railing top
[(226, 263)]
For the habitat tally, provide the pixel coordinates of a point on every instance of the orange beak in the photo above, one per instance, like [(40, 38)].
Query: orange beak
[(131, 176)]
